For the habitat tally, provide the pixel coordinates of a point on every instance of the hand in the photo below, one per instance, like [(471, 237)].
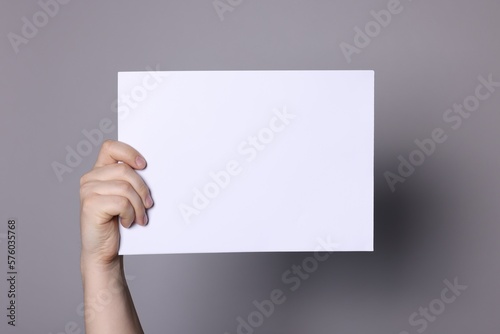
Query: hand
[(111, 193)]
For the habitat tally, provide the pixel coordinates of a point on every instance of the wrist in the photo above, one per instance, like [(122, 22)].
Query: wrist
[(96, 266)]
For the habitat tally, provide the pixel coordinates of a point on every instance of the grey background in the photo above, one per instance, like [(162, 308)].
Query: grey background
[(440, 224)]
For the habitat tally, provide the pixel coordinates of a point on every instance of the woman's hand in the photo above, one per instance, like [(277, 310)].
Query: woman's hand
[(111, 193)]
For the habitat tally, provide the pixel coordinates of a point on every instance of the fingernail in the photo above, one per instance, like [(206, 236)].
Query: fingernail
[(146, 219), (149, 201), (140, 161)]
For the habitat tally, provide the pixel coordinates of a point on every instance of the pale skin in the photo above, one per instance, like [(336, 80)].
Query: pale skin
[(111, 193)]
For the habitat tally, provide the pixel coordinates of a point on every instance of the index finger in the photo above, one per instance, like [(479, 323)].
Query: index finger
[(113, 151)]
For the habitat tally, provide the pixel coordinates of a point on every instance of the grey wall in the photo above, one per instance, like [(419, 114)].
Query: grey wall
[(440, 224)]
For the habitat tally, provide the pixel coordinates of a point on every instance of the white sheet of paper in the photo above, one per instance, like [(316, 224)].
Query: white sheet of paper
[(251, 161)]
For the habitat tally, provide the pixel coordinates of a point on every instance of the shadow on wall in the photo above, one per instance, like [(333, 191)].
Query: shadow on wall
[(402, 229)]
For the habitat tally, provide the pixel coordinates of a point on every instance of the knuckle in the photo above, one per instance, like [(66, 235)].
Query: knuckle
[(106, 145), (143, 189), (84, 190), (123, 169), (124, 187), (122, 203), (83, 179), (88, 202)]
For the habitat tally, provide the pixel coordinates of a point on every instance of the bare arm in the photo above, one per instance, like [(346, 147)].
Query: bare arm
[(111, 193)]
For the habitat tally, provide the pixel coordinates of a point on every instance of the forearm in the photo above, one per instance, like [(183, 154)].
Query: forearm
[(108, 304)]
